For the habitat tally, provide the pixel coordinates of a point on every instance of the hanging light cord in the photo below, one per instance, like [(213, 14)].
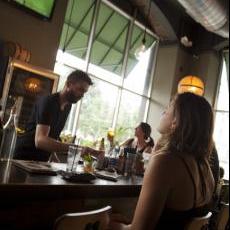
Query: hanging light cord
[(67, 33), (149, 10)]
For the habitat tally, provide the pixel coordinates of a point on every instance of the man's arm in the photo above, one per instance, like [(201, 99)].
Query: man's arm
[(44, 142)]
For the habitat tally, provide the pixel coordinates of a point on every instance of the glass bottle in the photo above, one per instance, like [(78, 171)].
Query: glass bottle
[(101, 157), (121, 162), (10, 135), (102, 145)]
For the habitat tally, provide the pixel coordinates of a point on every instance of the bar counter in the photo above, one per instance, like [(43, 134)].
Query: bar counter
[(29, 201)]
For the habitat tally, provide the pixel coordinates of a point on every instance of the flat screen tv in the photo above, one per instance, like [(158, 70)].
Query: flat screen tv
[(41, 8)]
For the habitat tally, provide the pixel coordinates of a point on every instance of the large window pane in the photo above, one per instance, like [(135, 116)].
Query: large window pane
[(109, 44), (221, 137), (97, 111), (137, 76), (132, 111), (223, 98), (91, 119), (221, 134)]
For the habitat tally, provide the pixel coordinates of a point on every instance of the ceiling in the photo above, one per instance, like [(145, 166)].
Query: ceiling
[(170, 22), (184, 25)]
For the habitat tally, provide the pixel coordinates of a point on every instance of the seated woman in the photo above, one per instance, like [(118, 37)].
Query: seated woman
[(178, 184), (143, 142)]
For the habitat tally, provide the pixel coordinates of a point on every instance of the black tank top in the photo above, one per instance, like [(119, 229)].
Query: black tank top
[(171, 219)]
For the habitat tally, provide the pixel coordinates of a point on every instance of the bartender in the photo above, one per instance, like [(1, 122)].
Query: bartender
[(49, 116)]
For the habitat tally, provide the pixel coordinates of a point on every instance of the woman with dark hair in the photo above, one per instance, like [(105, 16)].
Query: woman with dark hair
[(143, 141), (178, 183)]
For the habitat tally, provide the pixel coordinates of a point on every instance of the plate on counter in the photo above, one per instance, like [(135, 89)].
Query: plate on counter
[(77, 177)]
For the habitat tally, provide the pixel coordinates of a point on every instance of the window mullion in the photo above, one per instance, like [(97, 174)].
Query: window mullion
[(124, 67)]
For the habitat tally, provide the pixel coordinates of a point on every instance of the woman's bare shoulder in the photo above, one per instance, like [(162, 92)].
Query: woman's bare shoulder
[(163, 162), (164, 156)]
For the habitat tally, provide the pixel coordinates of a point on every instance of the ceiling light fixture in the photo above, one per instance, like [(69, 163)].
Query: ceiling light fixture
[(140, 51), (192, 84)]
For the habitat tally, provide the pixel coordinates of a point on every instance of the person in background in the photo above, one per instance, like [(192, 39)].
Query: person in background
[(143, 142), (178, 183), (221, 183), (48, 119)]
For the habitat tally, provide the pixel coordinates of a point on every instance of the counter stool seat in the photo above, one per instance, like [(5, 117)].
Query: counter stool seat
[(94, 220)]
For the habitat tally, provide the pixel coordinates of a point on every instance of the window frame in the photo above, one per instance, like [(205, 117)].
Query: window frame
[(216, 110), (121, 87)]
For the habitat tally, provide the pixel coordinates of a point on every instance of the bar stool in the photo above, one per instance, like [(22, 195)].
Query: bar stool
[(199, 223), (98, 220)]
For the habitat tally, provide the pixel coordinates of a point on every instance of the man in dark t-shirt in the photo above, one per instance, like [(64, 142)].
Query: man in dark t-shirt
[(48, 119)]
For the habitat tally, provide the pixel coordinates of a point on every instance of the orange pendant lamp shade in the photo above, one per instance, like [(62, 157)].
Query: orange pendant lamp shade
[(191, 84)]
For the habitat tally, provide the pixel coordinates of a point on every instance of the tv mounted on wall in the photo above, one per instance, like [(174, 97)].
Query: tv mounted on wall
[(41, 8)]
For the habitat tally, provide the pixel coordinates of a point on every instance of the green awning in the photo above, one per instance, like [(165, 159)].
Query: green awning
[(110, 37)]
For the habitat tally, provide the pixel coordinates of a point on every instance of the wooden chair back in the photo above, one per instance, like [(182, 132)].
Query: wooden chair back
[(223, 217), (199, 223), (94, 220)]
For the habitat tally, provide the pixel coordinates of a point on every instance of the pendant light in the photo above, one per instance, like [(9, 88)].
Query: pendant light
[(140, 51), (192, 84)]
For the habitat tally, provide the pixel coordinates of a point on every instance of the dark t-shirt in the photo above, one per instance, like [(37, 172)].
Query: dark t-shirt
[(47, 111)]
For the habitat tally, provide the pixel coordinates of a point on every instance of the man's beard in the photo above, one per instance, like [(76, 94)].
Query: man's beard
[(71, 98)]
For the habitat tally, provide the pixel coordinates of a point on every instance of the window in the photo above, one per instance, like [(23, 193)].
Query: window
[(119, 97), (97, 111), (109, 42), (131, 112), (221, 134), (136, 78)]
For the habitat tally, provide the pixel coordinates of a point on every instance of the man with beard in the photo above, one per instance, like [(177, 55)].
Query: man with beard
[(48, 119)]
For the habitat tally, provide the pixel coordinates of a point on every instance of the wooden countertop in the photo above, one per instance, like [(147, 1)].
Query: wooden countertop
[(17, 184)]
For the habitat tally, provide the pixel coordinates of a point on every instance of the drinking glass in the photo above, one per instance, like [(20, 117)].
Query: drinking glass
[(73, 158)]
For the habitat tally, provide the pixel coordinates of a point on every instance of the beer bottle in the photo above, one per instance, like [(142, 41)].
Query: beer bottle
[(102, 145), (121, 162), (101, 158)]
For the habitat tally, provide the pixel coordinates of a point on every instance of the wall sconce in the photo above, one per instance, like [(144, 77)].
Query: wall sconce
[(191, 84), (33, 85)]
